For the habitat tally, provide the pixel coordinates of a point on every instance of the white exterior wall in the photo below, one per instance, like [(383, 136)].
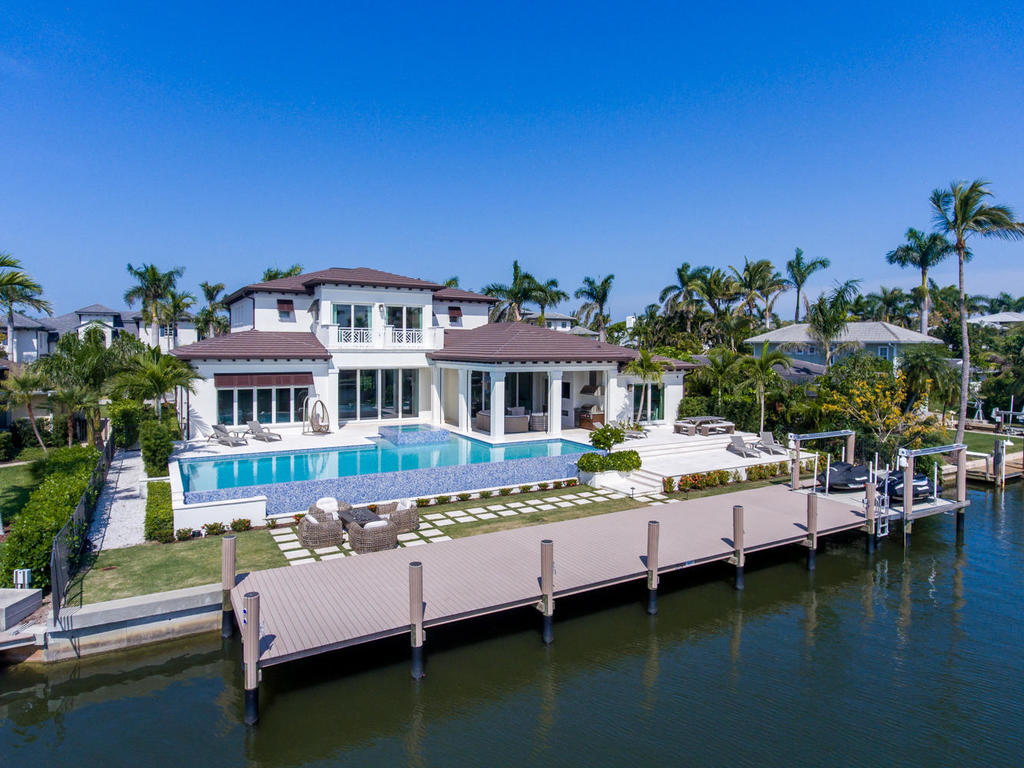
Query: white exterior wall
[(29, 346), (268, 318), (241, 314), (474, 313)]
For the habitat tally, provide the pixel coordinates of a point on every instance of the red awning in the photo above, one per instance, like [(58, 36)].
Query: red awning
[(285, 305), (231, 380)]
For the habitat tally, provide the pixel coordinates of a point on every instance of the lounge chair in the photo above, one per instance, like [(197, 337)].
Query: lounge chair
[(259, 432), (770, 445), (740, 448), (227, 438), (373, 537)]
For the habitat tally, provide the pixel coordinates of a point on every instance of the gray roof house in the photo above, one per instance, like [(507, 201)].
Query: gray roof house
[(878, 338)]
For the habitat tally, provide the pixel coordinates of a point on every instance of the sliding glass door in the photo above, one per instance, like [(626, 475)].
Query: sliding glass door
[(378, 393)]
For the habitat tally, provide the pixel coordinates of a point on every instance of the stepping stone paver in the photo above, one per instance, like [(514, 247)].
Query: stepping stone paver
[(475, 510), (295, 554), (285, 537), (516, 504), (434, 516), (305, 561), (335, 556), (443, 538), (325, 550), (487, 516), (415, 543), (563, 503), (286, 545), (431, 533), (546, 507), (507, 512), (407, 536), (446, 522)]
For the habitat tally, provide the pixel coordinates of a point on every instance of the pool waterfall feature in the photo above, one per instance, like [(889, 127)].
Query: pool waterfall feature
[(287, 482)]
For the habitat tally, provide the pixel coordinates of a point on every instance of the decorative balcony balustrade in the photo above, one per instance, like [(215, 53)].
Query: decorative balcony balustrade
[(380, 337), (355, 337)]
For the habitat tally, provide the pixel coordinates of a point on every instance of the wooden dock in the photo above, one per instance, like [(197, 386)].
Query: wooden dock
[(312, 609)]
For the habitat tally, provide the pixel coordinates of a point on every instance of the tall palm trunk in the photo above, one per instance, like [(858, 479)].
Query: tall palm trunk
[(12, 352), (760, 397), (796, 312), (965, 356), (71, 425), (32, 420), (926, 300)]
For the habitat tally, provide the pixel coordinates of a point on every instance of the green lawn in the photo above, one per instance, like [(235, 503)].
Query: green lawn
[(16, 483), (149, 568), (984, 441)]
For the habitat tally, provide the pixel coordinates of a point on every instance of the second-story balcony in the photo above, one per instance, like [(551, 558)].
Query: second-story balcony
[(380, 337)]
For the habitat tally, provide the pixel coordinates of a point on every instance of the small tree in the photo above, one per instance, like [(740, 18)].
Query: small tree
[(19, 389), (649, 371), (759, 374)]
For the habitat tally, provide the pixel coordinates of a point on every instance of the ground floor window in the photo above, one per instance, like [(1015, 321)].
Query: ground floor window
[(479, 392), (519, 391), (279, 405), (378, 393), (657, 402)]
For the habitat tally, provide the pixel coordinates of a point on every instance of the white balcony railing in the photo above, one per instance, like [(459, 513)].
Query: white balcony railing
[(355, 337), (407, 337)]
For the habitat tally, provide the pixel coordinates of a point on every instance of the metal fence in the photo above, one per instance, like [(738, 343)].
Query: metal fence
[(68, 544)]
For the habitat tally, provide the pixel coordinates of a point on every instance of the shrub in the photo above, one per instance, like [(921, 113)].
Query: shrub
[(486, 494), (442, 499), (159, 524), (67, 460), (25, 438), (525, 488), (684, 483), (505, 491), (605, 437), (169, 418), (735, 476), (668, 484), (463, 496), (213, 529), (157, 446), (271, 522), (7, 450), (571, 482), (30, 453), (125, 418), (422, 502), (543, 486), (623, 461), (183, 534), (30, 539), (694, 405), (298, 516), (590, 462), (241, 524)]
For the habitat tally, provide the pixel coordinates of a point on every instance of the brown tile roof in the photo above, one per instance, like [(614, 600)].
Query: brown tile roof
[(457, 294), (524, 342), (256, 345), (304, 283)]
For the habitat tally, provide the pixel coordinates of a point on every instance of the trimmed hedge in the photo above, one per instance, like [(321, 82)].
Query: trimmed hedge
[(7, 449), (157, 445), (620, 461), (159, 515), (48, 508), (125, 418), (67, 460)]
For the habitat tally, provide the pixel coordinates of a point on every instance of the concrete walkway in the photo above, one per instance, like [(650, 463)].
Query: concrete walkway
[(121, 509)]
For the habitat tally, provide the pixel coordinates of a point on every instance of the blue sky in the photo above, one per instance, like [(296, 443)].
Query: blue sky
[(439, 139)]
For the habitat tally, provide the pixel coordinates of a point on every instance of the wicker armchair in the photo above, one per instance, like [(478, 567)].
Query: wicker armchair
[(318, 529), (405, 520), (365, 540)]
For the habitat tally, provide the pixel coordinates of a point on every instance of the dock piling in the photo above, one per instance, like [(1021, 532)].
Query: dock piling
[(417, 635), (737, 544), (870, 513), (908, 500), (251, 655), (999, 462), (547, 588), (227, 583), (653, 530), (811, 542), (795, 479), (851, 443)]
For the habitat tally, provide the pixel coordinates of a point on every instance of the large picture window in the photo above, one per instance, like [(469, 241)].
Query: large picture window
[(281, 405), (378, 393)]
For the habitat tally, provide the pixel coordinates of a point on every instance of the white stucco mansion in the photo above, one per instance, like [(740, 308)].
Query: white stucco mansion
[(379, 347)]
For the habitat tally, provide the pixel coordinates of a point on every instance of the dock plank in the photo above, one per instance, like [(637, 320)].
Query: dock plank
[(333, 604)]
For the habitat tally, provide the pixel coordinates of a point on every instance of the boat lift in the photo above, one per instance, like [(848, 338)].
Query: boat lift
[(795, 441), (907, 514), (1004, 420)]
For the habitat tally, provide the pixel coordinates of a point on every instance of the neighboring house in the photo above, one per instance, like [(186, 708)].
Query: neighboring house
[(37, 337), (374, 347), (1001, 320), (558, 321), (877, 338), (798, 372)]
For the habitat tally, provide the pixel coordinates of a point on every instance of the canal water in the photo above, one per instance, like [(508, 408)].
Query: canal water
[(910, 658)]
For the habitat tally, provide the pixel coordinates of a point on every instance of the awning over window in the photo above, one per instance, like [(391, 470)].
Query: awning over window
[(232, 380), (454, 313), (285, 305)]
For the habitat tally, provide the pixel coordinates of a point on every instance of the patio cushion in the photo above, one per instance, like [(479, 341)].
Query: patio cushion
[(327, 504), (375, 524), (312, 520)]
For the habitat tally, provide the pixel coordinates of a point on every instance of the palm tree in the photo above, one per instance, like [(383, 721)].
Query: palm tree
[(18, 290), (273, 273), (682, 294), (719, 290), (209, 320), (596, 293), (151, 287), (800, 270), (173, 309), (514, 296), (758, 280), (922, 252), (151, 375), (19, 389), (961, 212), (888, 304), (719, 371), (760, 372), (75, 399), (827, 317), (649, 371), (927, 371), (451, 282), (548, 294)]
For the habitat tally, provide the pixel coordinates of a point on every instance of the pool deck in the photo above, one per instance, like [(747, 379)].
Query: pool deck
[(330, 605)]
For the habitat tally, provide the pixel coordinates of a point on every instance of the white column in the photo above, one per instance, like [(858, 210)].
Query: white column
[(464, 400), (554, 403), (435, 395), (609, 382), (497, 405)]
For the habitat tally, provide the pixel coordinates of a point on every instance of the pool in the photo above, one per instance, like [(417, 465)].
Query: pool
[(199, 475)]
